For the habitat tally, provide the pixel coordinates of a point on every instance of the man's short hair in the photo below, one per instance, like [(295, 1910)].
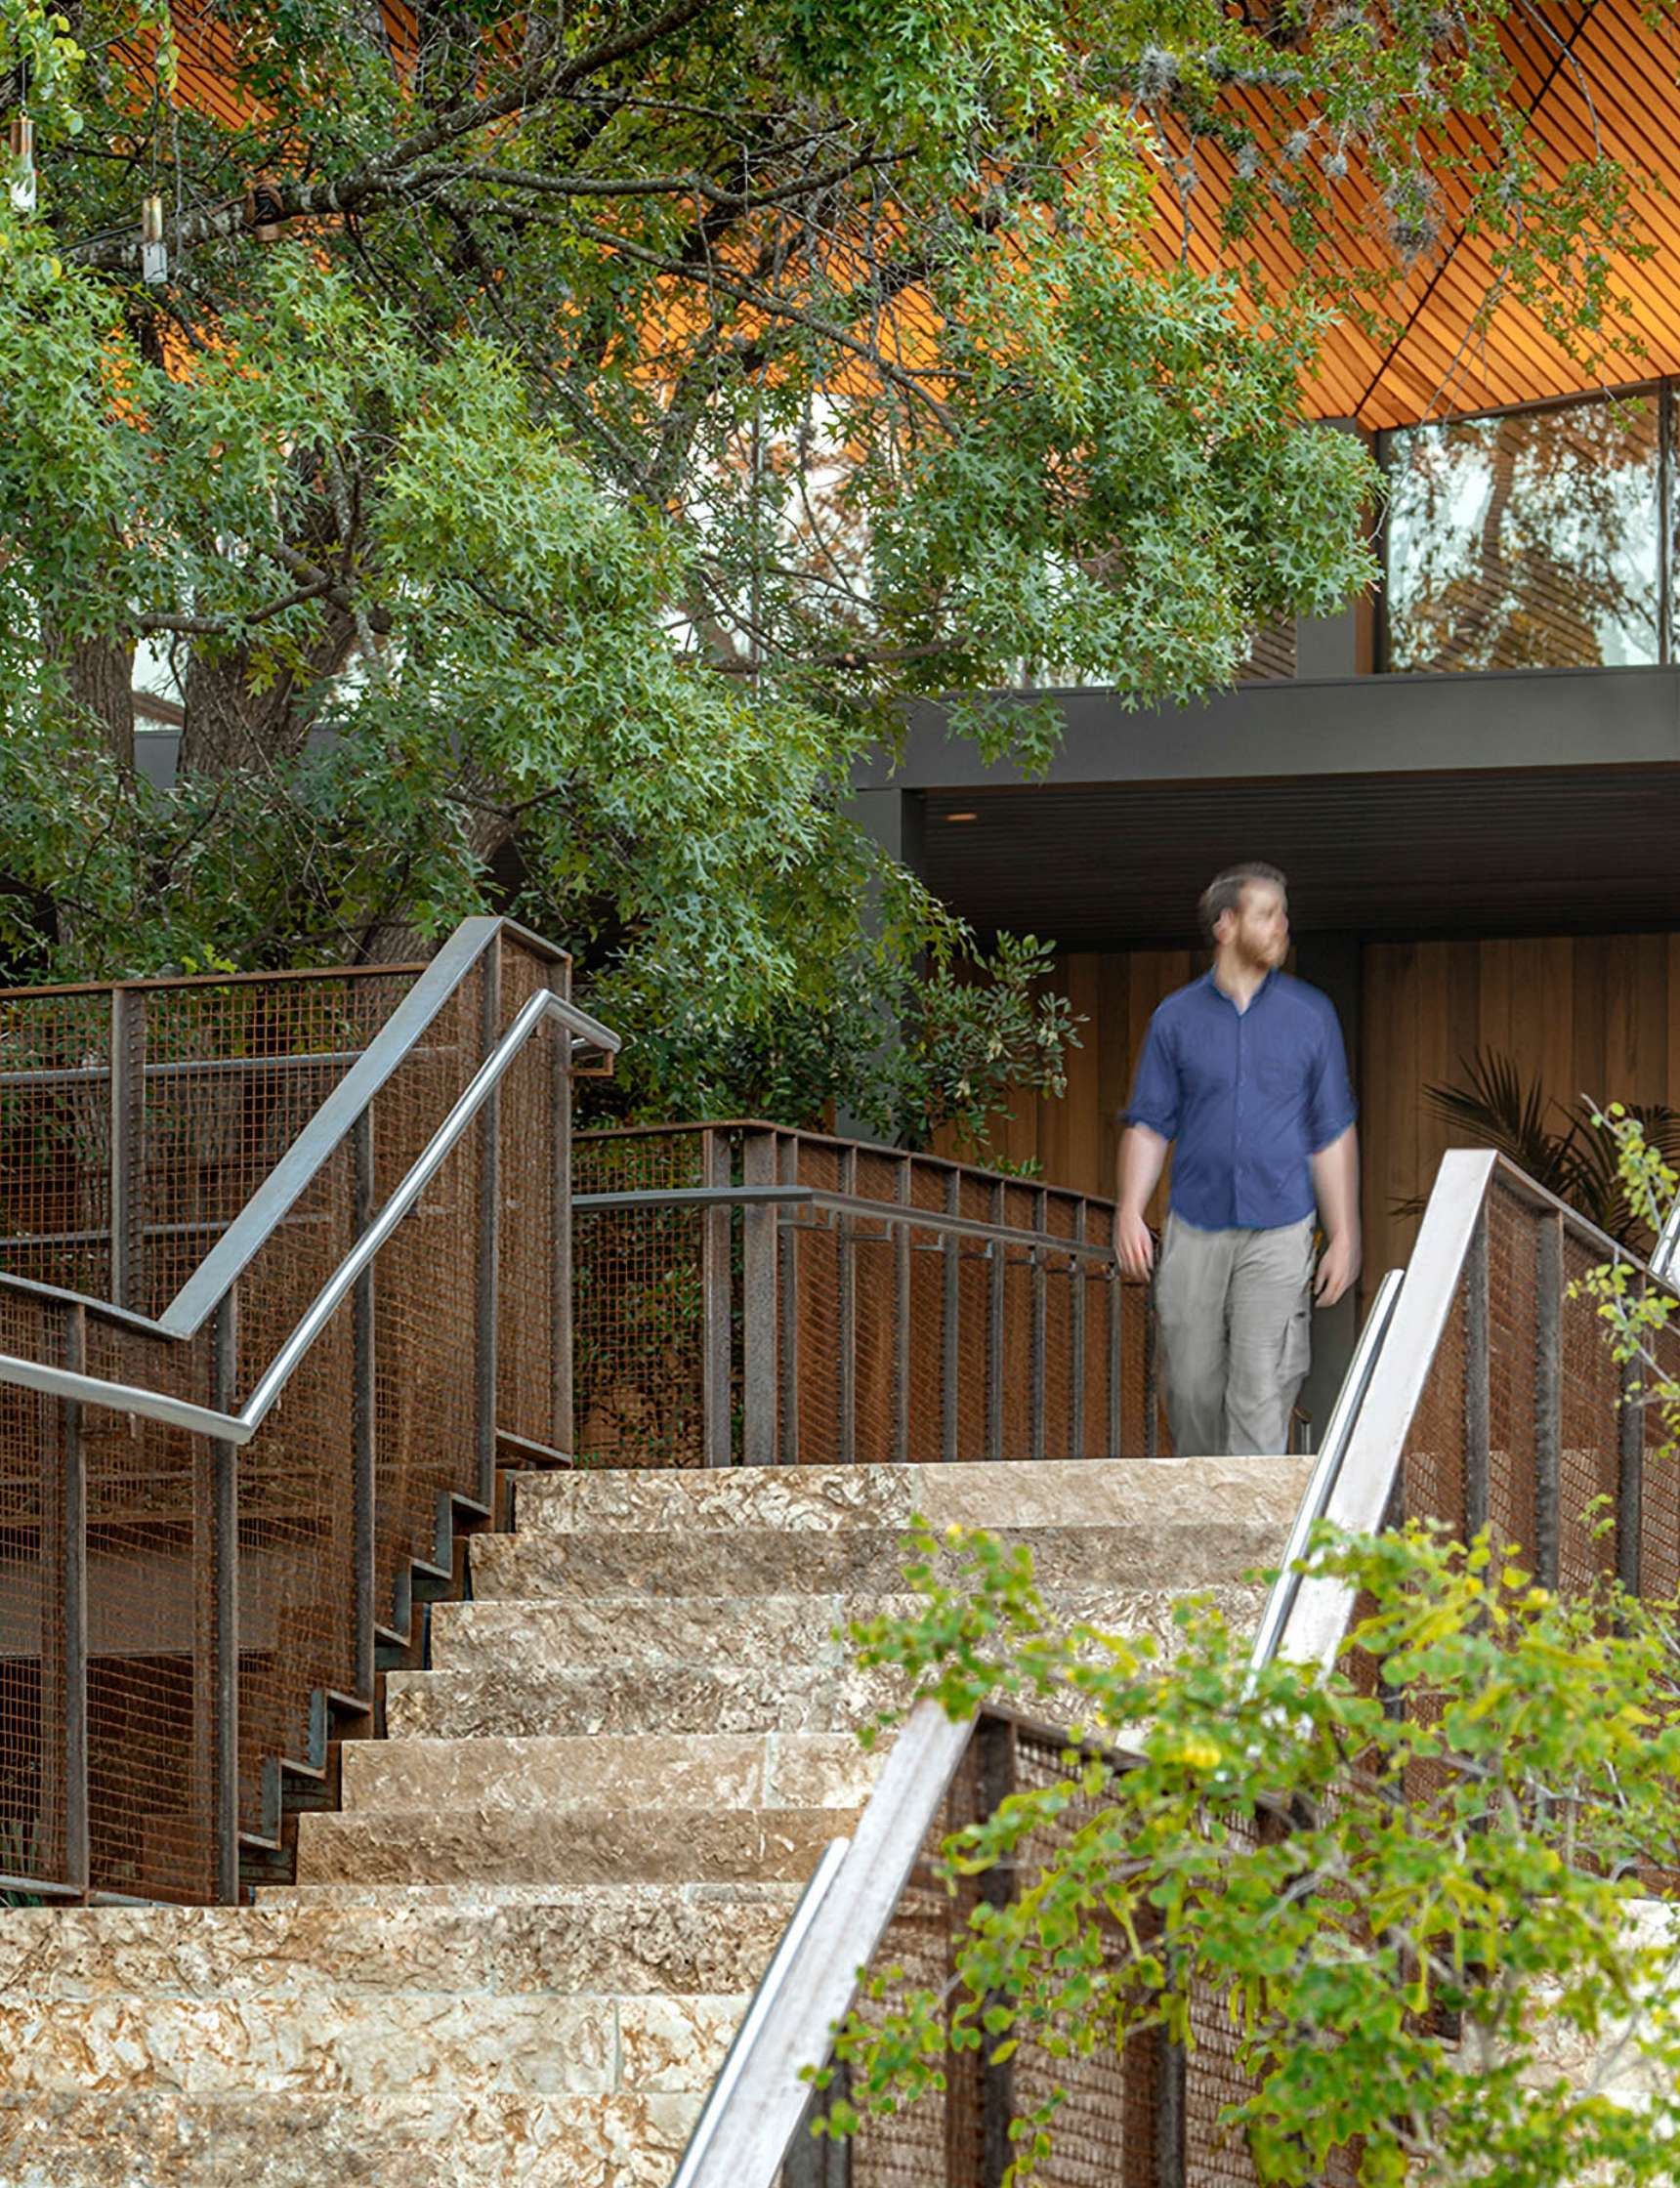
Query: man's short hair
[(1225, 892)]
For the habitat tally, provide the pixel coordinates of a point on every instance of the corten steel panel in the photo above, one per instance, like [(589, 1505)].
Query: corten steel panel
[(638, 1304), (1588, 1468)]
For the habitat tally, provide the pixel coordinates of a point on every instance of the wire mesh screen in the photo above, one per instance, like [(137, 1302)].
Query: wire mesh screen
[(1104, 2118), (136, 1120), (198, 1088), (987, 1321)]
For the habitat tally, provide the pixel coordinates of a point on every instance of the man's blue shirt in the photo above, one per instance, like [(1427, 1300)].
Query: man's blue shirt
[(1250, 1096)]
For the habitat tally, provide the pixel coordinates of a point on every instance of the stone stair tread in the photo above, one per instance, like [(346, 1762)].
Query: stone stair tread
[(368, 2045), (429, 1941), (767, 1561), (998, 1493), (772, 1630), (639, 1701), (153, 2139), (581, 1846), (786, 1769)]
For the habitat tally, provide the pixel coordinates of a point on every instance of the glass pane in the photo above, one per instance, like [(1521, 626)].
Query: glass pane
[(1526, 542)]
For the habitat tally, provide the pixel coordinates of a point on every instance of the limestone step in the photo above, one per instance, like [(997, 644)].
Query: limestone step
[(362, 2045), (1159, 1494), (784, 1560), (733, 1770), (151, 2139), (638, 1699), (573, 1847), (489, 1634), (365, 1939)]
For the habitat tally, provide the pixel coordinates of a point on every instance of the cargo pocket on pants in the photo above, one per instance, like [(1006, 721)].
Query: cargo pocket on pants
[(1297, 1352)]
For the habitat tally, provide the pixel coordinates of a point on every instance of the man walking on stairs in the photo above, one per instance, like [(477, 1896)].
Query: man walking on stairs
[(1245, 1068)]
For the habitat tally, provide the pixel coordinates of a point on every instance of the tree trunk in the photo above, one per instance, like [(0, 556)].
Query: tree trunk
[(102, 680)]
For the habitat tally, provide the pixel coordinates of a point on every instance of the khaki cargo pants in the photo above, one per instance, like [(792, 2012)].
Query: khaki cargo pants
[(1235, 1311)]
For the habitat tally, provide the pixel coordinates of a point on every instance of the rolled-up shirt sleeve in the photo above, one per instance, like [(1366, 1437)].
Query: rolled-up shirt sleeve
[(1332, 1108), (1155, 1102)]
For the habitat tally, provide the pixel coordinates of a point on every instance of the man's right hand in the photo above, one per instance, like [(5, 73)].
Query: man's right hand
[(1133, 1245)]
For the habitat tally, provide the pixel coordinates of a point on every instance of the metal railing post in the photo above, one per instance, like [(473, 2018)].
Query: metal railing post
[(1039, 1326), (1152, 1366), (1548, 1398), (716, 1301), (846, 1337), (1078, 1278), (997, 1278), (63, 1613), (1476, 1380), (950, 1333), (787, 1159), (490, 1228), (904, 1192), (363, 1428), (127, 1144), (217, 1503), (759, 1375), (1117, 1291), (1630, 1478), (994, 1780), (561, 1423)]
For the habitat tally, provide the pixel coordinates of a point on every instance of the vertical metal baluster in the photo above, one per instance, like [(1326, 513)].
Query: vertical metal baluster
[(224, 1637), (1630, 1478), (759, 1375), (950, 1332), (65, 1626), (1115, 1446), (787, 1162), (996, 1277), (904, 1192), (1476, 1379), (1039, 1344), (845, 1363), (490, 1228), (1076, 1281), (715, 1297), (1152, 1358), (562, 1426), (363, 1422), (1548, 1398), (994, 1743), (127, 1144)]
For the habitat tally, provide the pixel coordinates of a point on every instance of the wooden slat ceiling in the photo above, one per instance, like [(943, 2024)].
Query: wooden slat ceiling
[(1592, 61)]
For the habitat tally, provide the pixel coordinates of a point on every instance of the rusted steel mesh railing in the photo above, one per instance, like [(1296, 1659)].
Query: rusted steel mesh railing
[(178, 1614), (1500, 1402), (749, 1293)]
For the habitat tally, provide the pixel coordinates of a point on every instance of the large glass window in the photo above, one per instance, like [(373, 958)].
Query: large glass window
[(1530, 540)]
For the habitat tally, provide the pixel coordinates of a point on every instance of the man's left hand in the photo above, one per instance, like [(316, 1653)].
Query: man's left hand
[(1337, 1269)]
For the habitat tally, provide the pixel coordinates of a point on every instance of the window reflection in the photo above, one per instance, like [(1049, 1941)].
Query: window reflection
[(1526, 541)]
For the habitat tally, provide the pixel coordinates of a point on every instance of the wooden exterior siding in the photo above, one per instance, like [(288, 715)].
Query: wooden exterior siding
[(1596, 1015)]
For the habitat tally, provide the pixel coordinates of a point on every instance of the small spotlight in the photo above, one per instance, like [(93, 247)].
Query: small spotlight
[(962, 815)]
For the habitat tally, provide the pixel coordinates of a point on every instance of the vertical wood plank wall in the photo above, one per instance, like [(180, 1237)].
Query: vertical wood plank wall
[(1597, 1014)]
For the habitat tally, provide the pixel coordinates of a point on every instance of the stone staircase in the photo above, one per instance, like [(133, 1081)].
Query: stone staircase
[(519, 1951)]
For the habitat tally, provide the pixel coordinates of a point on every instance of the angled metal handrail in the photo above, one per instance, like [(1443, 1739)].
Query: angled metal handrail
[(740, 2137), (1326, 1472), (331, 1117)]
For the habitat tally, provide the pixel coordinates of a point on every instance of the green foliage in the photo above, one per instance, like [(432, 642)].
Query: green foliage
[(1449, 1916), (638, 410), (1636, 1311), (1566, 1150)]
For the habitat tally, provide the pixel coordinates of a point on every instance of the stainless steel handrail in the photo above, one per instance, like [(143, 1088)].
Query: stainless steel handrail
[(899, 1214), (740, 2140), (771, 1987), (240, 1427), (1326, 1472)]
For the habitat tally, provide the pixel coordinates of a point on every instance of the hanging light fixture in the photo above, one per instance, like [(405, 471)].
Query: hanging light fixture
[(20, 145), (153, 250)]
